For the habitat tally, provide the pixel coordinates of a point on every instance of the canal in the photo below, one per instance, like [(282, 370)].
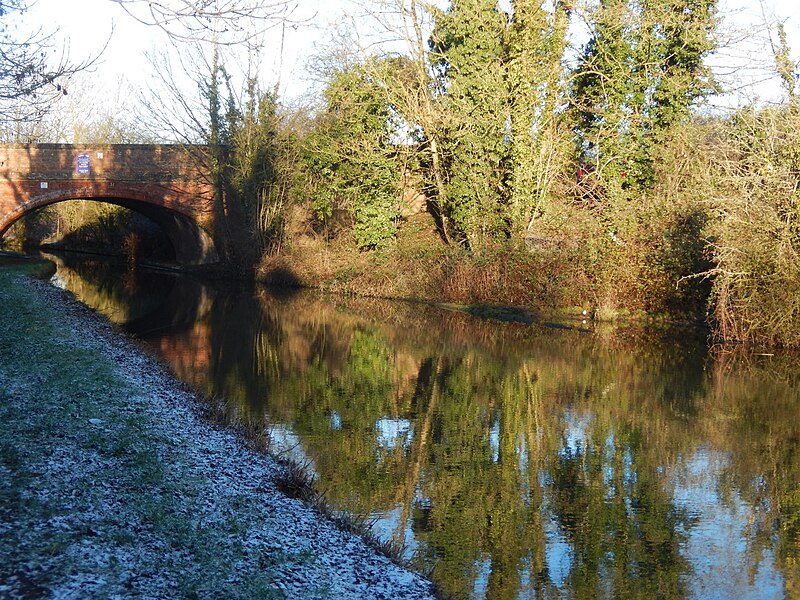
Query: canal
[(510, 460)]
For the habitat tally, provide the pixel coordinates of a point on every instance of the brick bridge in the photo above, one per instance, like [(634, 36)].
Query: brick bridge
[(164, 182)]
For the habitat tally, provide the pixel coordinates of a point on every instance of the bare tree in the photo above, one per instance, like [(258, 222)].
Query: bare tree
[(218, 21), (34, 68), (172, 108)]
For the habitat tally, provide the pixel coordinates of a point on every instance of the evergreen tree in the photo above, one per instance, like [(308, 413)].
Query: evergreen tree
[(350, 157), (784, 65), (259, 146), (536, 45), (470, 57), (602, 89), (217, 134), (682, 36), (639, 75), (233, 234)]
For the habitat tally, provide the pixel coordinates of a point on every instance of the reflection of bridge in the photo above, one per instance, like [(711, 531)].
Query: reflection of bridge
[(165, 183)]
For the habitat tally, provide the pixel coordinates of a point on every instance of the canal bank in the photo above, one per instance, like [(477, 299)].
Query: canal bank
[(114, 486)]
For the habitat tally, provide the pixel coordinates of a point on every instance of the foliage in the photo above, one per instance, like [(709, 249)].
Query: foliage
[(351, 159), (234, 236), (468, 54), (540, 146), (755, 232), (784, 64), (260, 166), (94, 227), (638, 75)]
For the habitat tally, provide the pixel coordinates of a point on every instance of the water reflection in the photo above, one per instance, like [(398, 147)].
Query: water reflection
[(516, 461)]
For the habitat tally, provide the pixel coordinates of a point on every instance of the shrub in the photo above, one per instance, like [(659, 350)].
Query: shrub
[(755, 233)]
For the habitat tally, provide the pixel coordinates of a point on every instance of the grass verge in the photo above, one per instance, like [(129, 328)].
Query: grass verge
[(95, 497)]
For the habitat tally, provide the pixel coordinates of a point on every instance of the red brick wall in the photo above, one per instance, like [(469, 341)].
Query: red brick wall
[(166, 176), (163, 175), (133, 162)]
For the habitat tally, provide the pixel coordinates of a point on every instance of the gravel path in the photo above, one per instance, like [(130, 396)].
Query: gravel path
[(113, 486)]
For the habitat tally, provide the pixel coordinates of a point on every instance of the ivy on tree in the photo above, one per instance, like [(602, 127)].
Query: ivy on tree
[(350, 157), (638, 75), (470, 57)]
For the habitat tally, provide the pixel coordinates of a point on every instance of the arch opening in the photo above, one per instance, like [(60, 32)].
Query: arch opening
[(189, 243)]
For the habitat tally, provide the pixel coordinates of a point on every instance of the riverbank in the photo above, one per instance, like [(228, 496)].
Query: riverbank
[(113, 485), (551, 278)]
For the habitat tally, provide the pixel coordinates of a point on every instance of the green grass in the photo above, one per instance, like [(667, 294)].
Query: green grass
[(34, 267), (58, 400)]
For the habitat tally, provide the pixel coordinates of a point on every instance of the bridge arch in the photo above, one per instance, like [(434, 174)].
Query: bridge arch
[(192, 244), (166, 183)]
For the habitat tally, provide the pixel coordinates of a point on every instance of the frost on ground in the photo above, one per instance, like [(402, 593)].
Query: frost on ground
[(111, 485)]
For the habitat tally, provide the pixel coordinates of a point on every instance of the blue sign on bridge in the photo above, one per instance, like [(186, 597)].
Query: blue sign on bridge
[(83, 164)]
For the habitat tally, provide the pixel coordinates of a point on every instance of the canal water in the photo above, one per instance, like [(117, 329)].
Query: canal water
[(510, 460)]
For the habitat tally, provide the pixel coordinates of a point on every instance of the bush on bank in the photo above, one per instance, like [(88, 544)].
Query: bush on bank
[(753, 229)]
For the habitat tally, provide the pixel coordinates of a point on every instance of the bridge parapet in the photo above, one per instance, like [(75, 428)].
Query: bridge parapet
[(130, 162)]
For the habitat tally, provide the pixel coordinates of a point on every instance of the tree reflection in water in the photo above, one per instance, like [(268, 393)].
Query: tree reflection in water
[(514, 460)]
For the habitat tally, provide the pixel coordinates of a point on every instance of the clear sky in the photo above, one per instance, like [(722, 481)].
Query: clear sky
[(88, 24), (752, 58)]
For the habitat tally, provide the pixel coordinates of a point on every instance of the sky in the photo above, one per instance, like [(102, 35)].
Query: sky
[(752, 58), (86, 26), (89, 27)]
